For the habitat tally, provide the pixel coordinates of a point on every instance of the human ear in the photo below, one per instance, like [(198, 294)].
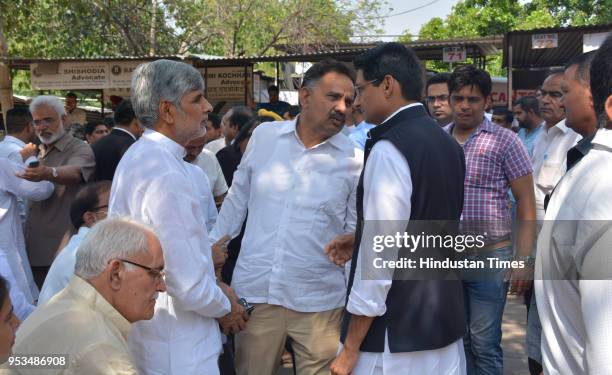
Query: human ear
[(115, 274)]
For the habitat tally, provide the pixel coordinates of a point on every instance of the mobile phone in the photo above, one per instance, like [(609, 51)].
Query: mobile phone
[(34, 164)]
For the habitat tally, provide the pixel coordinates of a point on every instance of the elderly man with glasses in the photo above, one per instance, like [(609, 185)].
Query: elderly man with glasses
[(118, 275), (65, 161)]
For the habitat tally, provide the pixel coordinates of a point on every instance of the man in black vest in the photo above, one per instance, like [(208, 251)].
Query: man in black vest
[(110, 149), (413, 171)]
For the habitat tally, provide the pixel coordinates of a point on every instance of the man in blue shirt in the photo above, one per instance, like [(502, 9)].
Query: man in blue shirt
[(527, 113)]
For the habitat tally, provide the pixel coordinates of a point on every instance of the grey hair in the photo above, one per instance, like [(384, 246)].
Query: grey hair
[(49, 100), (161, 80), (112, 238)]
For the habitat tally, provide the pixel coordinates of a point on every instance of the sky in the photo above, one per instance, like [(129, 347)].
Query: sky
[(414, 20)]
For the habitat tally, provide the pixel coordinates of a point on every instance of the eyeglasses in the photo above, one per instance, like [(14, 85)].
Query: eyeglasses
[(438, 98), (44, 122), (155, 273), (359, 88)]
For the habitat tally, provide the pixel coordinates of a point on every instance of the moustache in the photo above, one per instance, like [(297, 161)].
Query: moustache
[(337, 116)]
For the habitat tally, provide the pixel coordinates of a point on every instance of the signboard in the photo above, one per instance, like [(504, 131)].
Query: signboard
[(227, 83), (82, 75), (454, 54), (121, 73), (591, 42), (542, 41)]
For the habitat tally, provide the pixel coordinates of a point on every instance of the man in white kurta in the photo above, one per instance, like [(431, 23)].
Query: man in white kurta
[(152, 184), (12, 243)]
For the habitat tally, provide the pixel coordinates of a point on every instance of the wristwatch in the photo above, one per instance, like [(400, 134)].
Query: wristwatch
[(529, 260), (54, 172)]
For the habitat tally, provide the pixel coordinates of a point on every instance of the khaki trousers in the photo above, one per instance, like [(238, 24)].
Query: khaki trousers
[(315, 338)]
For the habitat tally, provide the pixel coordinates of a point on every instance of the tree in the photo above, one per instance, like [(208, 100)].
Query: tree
[(62, 28), (477, 18)]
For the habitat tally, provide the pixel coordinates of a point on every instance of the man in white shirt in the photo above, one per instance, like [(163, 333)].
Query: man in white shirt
[(20, 134), (89, 206), (196, 154), (573, 279), (12, 243), (388, 326), (551, 147), (298, 180), (231, 123), (152, 184), (17, 146)]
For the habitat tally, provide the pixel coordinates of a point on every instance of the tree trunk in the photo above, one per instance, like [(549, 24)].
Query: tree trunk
[(153, 30)]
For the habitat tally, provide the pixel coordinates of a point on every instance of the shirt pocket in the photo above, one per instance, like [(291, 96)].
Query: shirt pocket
[(483, 169), (331, 214), (550, 173)]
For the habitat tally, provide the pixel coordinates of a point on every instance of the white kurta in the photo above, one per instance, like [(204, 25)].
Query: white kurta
[(202, 186), (12, 243), (387, 201), (573, 270), (10, 148), (152, 184), (62, 268)]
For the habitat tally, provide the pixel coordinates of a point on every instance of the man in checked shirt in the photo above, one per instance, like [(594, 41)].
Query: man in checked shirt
[(495, 161)]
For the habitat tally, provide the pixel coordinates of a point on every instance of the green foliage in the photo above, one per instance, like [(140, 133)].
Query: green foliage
[(63, 28), (477, 18)]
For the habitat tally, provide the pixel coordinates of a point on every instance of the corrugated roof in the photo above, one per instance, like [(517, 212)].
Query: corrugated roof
[(570, 41), (425, 50)]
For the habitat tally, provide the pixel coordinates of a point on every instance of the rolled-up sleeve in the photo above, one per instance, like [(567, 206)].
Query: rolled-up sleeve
[(188, 260), (83, 157)]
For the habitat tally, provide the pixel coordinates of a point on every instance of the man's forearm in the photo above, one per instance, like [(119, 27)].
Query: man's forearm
[(68, 175), (526, 228), (357, 331)]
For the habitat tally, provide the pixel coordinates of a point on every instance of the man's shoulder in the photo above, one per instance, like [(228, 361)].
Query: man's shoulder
[(273, 128), (111, 140), (207, 154), (75, 145)]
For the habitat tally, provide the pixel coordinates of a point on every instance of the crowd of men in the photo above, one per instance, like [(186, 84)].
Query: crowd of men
[(179, 241)]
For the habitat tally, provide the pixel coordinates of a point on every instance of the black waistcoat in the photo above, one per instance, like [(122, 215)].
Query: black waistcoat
[(421, 314)]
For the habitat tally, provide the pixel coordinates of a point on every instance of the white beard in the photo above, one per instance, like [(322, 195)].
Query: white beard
[(57, 135)]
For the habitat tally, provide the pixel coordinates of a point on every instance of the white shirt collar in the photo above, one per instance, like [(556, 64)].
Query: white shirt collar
[(165, 142), (603, 137), (335, 140), (125, 131), (561, 126), (401, 109), (15, 140)]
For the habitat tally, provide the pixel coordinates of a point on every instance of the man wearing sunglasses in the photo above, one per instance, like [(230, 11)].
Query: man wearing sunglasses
[(89, 207), (118, 275)]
